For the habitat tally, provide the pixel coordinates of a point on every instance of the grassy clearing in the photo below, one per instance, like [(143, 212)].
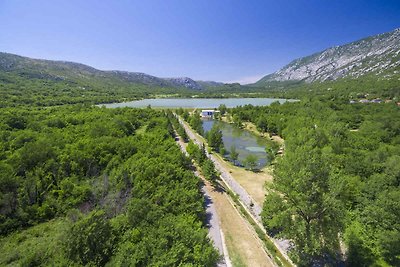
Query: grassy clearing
[(242, 245), (253, 183), (252, 128)]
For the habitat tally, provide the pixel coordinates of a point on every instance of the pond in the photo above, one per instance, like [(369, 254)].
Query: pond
[(195, 102), (246, 143)]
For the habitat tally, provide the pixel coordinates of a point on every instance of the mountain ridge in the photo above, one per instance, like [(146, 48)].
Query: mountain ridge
[(373, 54), (62, 70)]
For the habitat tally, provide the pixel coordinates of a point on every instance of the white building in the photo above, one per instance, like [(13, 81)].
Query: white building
[(208, 113)]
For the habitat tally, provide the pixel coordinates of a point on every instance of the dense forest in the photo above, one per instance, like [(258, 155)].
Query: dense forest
[(82, 185), (338, 180)]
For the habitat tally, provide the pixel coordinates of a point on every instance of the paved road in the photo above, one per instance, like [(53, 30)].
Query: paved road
[(254, 208), (213, 223)]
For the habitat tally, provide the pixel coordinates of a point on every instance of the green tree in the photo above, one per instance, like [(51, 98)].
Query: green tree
[(250, 162), (262, 124), (185, 115), (208, 169), (214, 138), (237, 121), (233, 154), (271, 149), (196, 123), (302, 202), (89, 240), (222, 108), (222, 150)]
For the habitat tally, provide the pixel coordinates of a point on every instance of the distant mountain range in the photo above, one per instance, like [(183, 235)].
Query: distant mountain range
[(70, 71), (378, 55), (374, 58)]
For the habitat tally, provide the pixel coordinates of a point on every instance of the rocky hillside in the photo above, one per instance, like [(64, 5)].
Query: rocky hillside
[(379, 54), (69, 71)]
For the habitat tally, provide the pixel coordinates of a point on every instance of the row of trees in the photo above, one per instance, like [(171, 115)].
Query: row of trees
[(200, 156), (177, 126), (338, 180)]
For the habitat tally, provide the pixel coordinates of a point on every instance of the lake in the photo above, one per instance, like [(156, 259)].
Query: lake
[(195, 102), (245, 142)]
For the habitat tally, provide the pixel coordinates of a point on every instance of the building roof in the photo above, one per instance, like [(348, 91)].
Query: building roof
[(209, 110)]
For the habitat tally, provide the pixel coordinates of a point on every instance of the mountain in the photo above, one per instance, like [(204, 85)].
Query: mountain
[(185, 82), (378, 55), (70, 71)]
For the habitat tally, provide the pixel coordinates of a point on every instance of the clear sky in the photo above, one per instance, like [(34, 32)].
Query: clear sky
[(220, 40)]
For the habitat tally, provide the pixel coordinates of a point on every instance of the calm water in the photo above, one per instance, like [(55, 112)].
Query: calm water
[(195, 102), (245, 142)]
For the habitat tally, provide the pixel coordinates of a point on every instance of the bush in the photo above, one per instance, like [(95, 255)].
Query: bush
[(89, 240)]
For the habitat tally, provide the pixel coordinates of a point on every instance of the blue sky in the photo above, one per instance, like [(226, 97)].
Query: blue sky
[(224, 40)]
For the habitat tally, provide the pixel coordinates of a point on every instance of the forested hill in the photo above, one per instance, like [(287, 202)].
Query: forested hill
[(63, 70), (368, 64), (46, 82)]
